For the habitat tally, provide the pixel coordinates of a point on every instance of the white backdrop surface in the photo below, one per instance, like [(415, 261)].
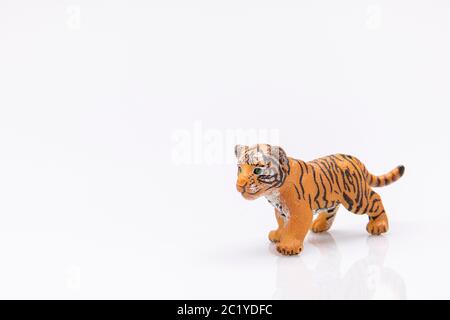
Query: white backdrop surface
[(117, 122)]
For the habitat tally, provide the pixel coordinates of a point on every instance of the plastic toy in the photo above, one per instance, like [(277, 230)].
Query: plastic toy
[(298, 190)]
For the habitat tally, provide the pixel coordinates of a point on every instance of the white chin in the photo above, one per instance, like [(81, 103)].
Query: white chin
[(250, 196)]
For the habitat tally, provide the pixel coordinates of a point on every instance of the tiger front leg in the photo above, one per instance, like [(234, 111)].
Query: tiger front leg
[(295, 230), (275, 235)]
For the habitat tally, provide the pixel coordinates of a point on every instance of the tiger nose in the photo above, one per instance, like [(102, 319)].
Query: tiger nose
[(240, 185)]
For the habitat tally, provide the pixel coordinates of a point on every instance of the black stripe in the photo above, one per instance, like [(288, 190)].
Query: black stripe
[(301, 177), (356, 166), (359, 194), (288, 166), (340, 155), (246, 155), (325, 174), (334, 169), (306, 167), (375, 217), (349, 201), (317, 186), (324, 192), (373, 204), (326, 165), (347, 188), (298, 194), (350, 179), (335, 156), (366, 207)]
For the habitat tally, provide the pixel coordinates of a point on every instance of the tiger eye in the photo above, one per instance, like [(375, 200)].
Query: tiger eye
[(257, 171)]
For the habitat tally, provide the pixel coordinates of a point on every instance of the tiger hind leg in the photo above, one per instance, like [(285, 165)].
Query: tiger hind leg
[(325, 220), (378, 221)]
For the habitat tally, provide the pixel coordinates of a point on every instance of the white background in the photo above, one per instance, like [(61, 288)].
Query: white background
[(93, 203)]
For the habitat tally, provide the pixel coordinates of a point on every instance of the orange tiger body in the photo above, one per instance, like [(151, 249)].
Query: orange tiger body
[(299, 189)]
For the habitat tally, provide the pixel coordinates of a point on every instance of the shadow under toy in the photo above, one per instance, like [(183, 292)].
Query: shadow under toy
[(299, 189)]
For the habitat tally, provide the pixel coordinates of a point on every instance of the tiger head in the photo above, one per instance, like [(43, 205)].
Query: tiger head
[(261, 169)]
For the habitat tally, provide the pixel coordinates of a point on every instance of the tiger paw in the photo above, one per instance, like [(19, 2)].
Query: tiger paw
[(320, 225), (275, 236), (289, 247), (378, 226)]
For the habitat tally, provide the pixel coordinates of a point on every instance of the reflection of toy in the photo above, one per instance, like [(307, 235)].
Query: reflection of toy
[(299, 189), (367, 278)]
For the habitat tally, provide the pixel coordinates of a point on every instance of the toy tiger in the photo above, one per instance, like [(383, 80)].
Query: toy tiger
[(299, 189)]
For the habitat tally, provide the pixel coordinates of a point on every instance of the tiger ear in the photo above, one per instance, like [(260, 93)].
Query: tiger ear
[(279, 154), (238, 150)]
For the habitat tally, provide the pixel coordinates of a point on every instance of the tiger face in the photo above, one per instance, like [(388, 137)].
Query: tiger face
[(261, 169)]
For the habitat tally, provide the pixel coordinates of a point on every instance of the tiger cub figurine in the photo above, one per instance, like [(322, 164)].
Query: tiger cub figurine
[(298, 190)]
